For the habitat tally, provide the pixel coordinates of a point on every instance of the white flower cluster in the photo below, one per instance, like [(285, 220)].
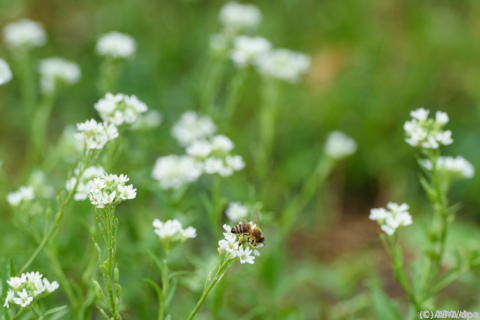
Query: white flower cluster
[(426, 132), (284, 64), (392, 218), (120, 108), (339, 145), (456, 167), (110, 190), (236, 211), (54, 70), (245, 252), (172, 230), (94, 135), (215, 155), (24, 34), (237, 17), (174, 171), (23, 194), (28, 287), (247, 50), (5, 72), (191, 127), (115, 45), (85, 184)]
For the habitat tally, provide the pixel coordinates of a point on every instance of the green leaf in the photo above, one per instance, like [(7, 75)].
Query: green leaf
[(179, 273), (54, 310), (156, 287), (158, 262), (171, 291), (383, 307)]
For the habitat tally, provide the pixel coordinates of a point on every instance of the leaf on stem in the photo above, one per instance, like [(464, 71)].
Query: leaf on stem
[(171, 291), (54, 310), (156, 287)]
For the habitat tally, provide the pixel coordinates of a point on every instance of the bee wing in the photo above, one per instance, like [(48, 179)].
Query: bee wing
[(254, 217)]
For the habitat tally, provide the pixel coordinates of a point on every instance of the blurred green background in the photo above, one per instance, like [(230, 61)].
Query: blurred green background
[(372, 62)]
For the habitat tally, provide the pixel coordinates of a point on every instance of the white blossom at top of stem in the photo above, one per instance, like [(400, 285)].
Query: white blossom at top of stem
[(392, 218), (246, 50), (119, 108), (244, 250), (339, 145), (283, 64), (27, 288), (237, 17), (148, 120), (110, 190), (172, 230), (57, 70), (94, 135), (24, 34), (427, 133), (245, 255), (236, 211), (116, 45), (458, 167), (5, 72), (23, 194), (174, 171), (83, 188), (191, 127)]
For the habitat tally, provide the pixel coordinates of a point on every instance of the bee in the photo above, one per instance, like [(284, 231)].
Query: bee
[(254, 235)]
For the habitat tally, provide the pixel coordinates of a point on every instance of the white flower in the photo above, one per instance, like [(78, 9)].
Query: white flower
[(115, 45), (50, 287), (431, 143), (191, 127), (229, 244), (23, 300), (190, 232), (222, 143), (127, 192), (235, 162), (199, 148), (379, 214), (24, 34), (441, 118), (246, 50), (174, 171), (388, 229), (420, 114), (119, 108), (416, 136), (245, 255), (445, 137), (9, 298), (237, 17), (39, 287), (103, 191), (339, 145), (213, 165), (94, 135), (54, 70), (5, 72), (458, 167), (172, 228), (228, 230), (404, 219), (395, 208), (284, 64), (22, 194), (15, 282), (236, 211), (33, 277), (85, 184)]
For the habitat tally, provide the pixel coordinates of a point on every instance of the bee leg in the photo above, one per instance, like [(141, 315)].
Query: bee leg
[(240, 241)]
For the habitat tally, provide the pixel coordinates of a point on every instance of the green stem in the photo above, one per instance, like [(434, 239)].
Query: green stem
[(165, 287), (216, 205), (233, 93), (58, 217), (212, 84), (39, 125), (108, 75)]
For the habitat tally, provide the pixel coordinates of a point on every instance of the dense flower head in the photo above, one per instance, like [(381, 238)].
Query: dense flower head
[(237, 17), (27, 288), (236, 211), (191, 127), (339, 146), (172, 230), (55, 70), (246, 50), (24, 34), (110, 190), (425, 132), (120, 108), (94, 135), (23, 194), (244, 251), (148, 120), (458, 167), (215, 154), (115, 45), (174, 171), (5, 72), (83, 188), (391, 218), (283, 64)]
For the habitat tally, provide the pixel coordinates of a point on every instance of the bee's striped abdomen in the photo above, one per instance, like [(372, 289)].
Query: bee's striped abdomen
[(241, 228)]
